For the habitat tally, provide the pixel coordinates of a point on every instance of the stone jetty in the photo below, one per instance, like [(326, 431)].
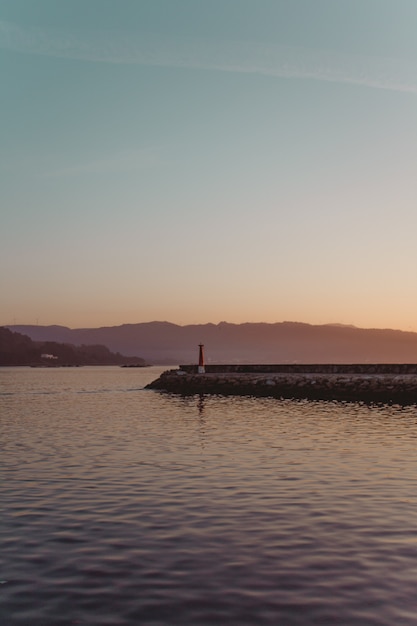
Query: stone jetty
[(377, 383)]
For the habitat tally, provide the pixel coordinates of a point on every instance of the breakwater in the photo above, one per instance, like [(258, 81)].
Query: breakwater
[(378, 383)]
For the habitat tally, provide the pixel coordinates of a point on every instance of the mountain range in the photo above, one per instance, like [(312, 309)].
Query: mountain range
[(282, 342)]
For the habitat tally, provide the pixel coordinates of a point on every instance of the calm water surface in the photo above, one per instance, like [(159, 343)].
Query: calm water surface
[(124, 506)]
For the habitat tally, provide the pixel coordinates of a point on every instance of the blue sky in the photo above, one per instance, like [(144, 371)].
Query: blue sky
[(199, 161)]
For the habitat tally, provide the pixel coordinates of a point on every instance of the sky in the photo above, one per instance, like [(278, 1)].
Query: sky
[(208, 160)]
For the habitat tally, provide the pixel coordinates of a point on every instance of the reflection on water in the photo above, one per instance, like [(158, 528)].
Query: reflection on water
[(128, 506)]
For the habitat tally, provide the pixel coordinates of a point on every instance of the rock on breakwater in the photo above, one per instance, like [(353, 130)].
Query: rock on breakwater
[(393, 387)]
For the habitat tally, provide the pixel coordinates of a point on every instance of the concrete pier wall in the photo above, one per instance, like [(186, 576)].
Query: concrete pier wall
[(300, 368)]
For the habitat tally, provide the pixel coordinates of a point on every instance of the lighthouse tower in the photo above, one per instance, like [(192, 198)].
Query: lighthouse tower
[(201, 368)]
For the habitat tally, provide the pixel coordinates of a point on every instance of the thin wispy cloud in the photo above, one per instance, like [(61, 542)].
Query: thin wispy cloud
[(121, 162), (267, 59)]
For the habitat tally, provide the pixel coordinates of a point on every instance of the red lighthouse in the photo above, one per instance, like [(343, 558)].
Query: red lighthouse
[(201, 368)]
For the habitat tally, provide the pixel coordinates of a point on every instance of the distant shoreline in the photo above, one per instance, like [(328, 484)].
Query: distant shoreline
[(39, 365)]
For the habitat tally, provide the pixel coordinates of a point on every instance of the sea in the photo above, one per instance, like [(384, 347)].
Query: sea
[(126, 506)]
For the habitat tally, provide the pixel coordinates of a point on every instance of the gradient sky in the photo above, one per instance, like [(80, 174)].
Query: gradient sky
[(208, 160)]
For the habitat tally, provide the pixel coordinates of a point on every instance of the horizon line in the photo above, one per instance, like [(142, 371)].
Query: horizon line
[(155, 321)]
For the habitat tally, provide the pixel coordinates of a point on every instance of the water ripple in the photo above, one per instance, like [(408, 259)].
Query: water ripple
[(124, 506)]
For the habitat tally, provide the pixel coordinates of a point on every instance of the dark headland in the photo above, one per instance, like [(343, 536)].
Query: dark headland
[(18, 349), (370, 383)]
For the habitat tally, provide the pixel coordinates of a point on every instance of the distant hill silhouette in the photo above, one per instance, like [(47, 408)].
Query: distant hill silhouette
[(283, 342), (19, 349)]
